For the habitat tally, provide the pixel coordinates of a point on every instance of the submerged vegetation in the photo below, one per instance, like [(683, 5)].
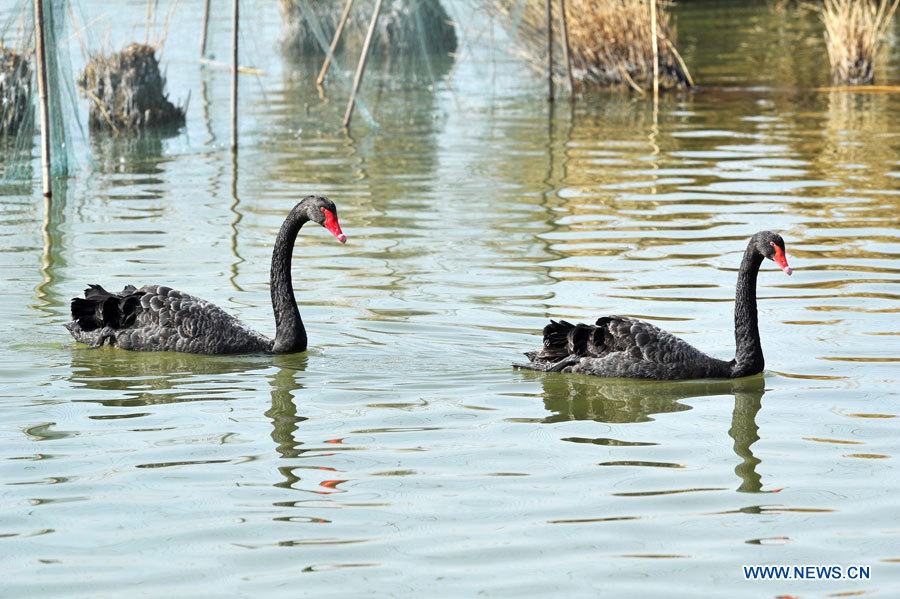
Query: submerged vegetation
[(127, 91), (406, 33), (610, 41), (15, 90), (855, 31)]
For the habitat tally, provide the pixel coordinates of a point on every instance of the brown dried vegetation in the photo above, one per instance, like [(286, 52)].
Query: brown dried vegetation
[(610, 41), (127, 91), (855, 31)]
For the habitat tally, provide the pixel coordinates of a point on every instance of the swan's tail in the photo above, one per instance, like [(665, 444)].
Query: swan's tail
[(99, 308), (566, 343)]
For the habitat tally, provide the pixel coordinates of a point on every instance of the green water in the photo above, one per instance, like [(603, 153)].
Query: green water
[(401, 455)]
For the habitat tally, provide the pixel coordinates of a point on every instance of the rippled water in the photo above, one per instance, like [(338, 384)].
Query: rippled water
[(402, 455)]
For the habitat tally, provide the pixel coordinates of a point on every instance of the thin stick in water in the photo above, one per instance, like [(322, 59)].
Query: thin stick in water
[(334, 42), (205, 30), (549, 7), (234, 76), (655, 46), (567, 52), (40, 52), (361, 66)]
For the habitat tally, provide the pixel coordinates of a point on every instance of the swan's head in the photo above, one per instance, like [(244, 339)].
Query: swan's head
[(771, 246), (321, 210)]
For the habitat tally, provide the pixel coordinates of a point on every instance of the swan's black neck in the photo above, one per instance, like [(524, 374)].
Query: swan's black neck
[(290, 334), (748, 357)]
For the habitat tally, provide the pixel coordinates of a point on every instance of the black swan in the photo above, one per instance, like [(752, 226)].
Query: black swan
[(617, 346), (158, 318)]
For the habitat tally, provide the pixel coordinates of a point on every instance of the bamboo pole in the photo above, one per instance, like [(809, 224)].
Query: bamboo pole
[(549, 7), (334, 42), (234, 76), (655, 45), (41, 56), (361, 66), (567, 51), (205, 29)]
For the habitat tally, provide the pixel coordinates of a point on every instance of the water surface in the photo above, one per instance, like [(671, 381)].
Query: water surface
[(401, 455)]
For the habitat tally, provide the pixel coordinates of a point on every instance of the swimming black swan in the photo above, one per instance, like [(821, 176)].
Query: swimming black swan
[(617, 346), (158, 318)]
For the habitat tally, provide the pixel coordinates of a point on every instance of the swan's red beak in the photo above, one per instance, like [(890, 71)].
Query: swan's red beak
[(781, 260), (332, 224)]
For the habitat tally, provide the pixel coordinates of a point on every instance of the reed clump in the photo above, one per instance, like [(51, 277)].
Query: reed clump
[(127, 91), (15, 90), (610, 41), (855, 31)]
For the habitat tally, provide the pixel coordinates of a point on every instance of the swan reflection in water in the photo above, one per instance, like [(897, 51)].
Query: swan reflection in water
[(153, 378), (619, 401), (148, 378), (321, 479), (283, 411), (131, 379)]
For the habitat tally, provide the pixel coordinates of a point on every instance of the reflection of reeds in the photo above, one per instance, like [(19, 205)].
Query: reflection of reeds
[(127, 91), (857, 134), (15, 90), (854, 33), (610, 41)]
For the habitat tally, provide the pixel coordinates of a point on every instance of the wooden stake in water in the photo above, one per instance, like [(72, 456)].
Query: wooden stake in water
[(567, 51), (334, 42), (549, 7), (41, 56), (655, 46), (205, 29), (234, 77), (361, 66)]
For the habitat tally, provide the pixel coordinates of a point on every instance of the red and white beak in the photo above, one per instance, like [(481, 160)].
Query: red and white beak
[(332, 224), (781, 260)]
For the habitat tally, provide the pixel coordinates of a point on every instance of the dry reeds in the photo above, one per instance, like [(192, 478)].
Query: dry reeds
[(610, 41), (127, 91), (854, 34), (15, 90)]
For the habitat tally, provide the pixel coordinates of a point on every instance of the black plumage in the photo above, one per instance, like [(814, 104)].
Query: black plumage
[(159, 318), (618, 346)]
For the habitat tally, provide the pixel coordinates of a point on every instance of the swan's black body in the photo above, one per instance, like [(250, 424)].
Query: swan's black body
[(617, 346), (158, 318)]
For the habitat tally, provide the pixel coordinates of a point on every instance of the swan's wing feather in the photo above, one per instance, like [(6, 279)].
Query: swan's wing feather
[(620, 346), (642, 341), (186, 315), (159, 318), (178, 321)]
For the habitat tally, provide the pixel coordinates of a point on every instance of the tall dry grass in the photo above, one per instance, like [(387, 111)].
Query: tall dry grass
[(855, 31), (610, 40)]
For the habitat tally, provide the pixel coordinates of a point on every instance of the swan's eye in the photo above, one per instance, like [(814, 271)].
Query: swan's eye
[(780, 259), (332, 224)]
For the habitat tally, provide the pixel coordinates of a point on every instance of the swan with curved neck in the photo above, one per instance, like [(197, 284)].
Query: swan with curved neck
[(159, 318), (617, 346)]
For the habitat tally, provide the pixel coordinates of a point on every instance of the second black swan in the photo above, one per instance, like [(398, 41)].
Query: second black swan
[(617, 346), (159, 318)]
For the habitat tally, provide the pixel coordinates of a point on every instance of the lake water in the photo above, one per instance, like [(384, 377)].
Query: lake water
[(401, 455)]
